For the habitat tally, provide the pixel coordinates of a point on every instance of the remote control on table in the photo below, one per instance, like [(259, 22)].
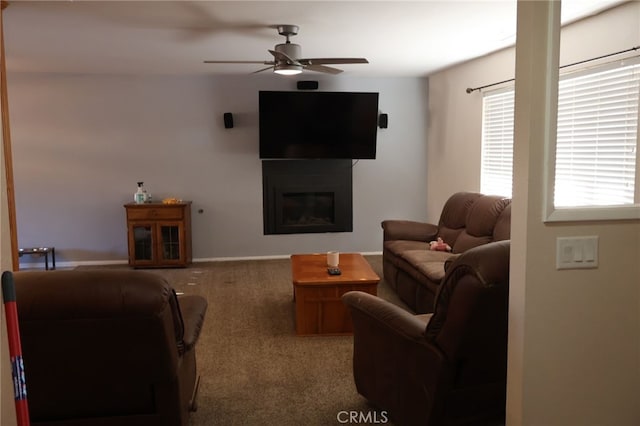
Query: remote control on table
[(333, 270)]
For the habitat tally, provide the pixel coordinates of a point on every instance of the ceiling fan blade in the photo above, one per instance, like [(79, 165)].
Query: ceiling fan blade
[(239, 62), (263, 69), (279, 56), (322, 68), (323, 61)]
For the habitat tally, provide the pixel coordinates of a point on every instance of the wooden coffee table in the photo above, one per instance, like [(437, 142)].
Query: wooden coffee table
[(318, 304)]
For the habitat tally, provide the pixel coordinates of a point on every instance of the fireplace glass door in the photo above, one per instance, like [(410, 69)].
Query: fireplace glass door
[(308, 208)]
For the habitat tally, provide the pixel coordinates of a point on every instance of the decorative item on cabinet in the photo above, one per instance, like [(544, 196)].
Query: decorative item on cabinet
[(159, 234)]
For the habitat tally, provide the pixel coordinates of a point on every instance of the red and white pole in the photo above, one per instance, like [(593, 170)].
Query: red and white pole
[(15, 349)]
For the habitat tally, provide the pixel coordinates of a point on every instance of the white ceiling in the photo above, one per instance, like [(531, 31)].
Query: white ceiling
[(398, 38)]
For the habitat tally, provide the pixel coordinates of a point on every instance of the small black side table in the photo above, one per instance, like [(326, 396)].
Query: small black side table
[(41, 250)]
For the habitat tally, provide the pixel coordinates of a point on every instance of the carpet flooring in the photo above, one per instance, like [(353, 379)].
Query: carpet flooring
[(254, 369)]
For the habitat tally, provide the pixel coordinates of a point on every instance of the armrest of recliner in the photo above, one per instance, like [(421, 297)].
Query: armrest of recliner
[(409, 230), (386, 314), (193, 309)]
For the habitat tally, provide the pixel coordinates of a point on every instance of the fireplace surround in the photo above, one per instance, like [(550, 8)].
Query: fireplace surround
[(307, 196)]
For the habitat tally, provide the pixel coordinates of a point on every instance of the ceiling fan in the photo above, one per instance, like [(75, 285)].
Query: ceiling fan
[(287, 60)]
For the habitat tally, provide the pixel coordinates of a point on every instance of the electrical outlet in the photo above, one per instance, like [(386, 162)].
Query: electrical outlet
[(577, 252)]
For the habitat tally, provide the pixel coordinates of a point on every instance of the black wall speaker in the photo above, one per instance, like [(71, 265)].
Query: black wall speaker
[(228, 120), (383, 121), (307, 85)]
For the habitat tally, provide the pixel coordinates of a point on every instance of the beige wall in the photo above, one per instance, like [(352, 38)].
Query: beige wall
[(455, 126), (574, 356)]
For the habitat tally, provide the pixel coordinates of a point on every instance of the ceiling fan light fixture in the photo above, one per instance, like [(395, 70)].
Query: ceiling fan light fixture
[(287, 58), (287, 69)]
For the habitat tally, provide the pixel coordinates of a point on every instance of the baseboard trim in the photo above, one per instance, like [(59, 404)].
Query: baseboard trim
[(239, 258), (270, 257), (71, 264), (75, 264)]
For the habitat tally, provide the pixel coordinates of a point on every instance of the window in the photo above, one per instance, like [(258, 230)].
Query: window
[(597, 139), (497, 143)]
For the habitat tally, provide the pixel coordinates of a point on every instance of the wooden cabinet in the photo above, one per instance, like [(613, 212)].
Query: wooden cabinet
[(159, 235)]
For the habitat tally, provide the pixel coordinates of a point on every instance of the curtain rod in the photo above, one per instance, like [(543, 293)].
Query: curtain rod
[(470, 90)]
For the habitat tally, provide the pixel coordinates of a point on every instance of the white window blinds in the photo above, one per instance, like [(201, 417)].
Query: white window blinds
[(497, 143), (597, 139)]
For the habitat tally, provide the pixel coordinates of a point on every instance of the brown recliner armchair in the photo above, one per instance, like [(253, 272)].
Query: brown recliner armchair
[(444, 368), (106, 347)]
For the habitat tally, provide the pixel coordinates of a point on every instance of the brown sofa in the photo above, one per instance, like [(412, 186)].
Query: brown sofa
[(445, 368), (107, 347), (468, 219)]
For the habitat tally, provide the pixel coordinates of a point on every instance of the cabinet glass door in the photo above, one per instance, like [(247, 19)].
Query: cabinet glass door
[(170, 242), (143, 242)]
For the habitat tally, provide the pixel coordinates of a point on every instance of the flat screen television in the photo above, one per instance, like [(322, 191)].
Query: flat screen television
[(313, 125)]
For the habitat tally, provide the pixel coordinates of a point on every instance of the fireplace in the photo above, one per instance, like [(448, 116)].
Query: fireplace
[(307, 196)]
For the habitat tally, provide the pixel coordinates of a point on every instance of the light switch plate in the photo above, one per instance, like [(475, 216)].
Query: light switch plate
[(577, 252)]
